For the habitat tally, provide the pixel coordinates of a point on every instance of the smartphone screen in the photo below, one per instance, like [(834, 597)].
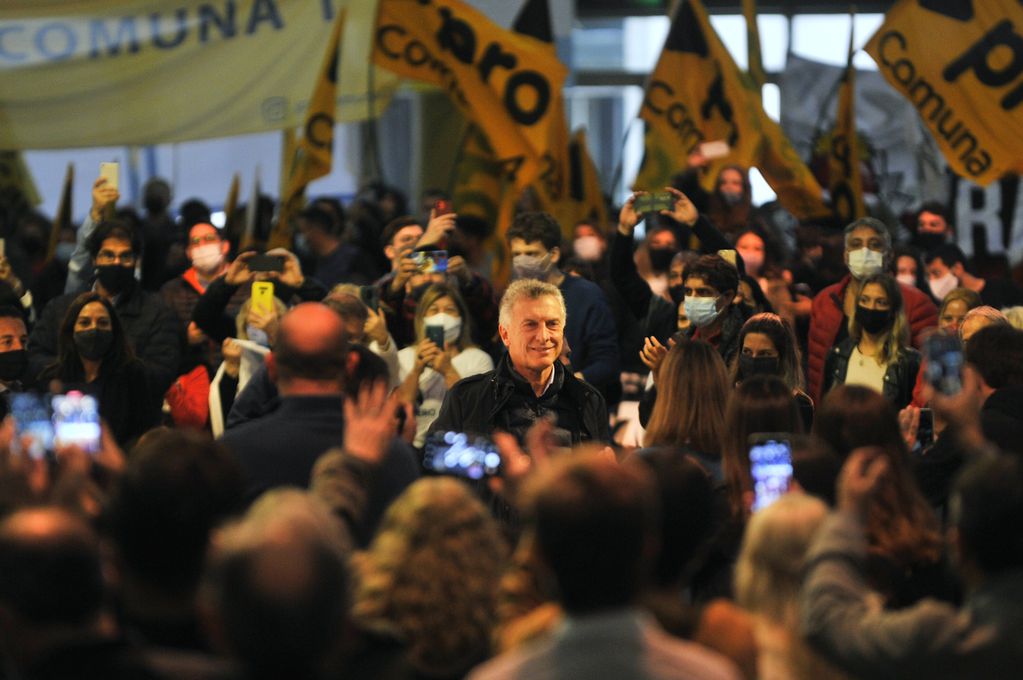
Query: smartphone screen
[(76, 421), (431, 261), (771, 464), (944, 355), (32, 419), (465, 455), (651, 203)]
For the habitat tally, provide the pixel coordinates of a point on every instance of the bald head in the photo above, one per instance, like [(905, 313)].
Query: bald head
[(311, 348), (51, 567)]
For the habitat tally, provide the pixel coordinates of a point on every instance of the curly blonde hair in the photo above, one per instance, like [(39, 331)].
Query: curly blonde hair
[(432, 573)]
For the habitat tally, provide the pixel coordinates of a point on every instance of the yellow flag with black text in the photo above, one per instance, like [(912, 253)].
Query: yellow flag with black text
[(312, 154), (506, 83), (845, 181), (961, 65), (697, 94)]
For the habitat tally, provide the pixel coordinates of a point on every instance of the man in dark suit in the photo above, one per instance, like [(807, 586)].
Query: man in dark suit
[(308, 364)]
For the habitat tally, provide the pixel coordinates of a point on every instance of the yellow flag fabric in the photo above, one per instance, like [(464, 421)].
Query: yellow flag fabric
[(697, 93), (77, 73), (479, 183), (844, 178), (504, 82), (659, 164), (310, 157), (754, 58), (961, 65)]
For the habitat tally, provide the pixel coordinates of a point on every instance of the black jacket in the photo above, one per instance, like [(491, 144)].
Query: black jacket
[(152, 329), (899, 379), (501, 399)]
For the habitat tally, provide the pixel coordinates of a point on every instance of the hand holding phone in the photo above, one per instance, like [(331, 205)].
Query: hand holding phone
[(266, 263), (431, 261), (111, 173), (435, 334), (654, 203)]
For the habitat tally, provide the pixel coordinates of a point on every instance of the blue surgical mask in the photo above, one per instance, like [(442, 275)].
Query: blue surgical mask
[(257, 335), (701, 310)]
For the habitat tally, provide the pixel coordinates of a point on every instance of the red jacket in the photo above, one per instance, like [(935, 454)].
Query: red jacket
[(826, 317)]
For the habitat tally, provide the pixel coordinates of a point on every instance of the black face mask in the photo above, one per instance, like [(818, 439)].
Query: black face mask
[(94, 344), (13, 364), (660, 258), (678, 294), (873, 321), (114, 278), (750, 365)]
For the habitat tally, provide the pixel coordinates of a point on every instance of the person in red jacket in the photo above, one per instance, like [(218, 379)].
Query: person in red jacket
[(868, 250)]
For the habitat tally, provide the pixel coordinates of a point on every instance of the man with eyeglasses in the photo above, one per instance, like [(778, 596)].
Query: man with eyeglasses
[(153, 331)]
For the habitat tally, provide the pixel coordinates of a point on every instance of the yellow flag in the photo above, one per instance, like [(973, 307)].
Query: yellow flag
[(961, 65), (697, 94), (506, 83), (844, 179), (62, 219), (754, 59), (313, 152), (659, 164)]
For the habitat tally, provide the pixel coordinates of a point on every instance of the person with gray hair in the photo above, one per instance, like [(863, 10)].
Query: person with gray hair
[(980, 317), (868, 251), (530, 381)]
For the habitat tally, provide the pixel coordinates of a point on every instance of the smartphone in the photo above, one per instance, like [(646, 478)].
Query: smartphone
[(435, 334), (262, 296), (925, 429), (715, 149), (770, 456), (33, 418), (111, 173), (441, 207), (76, 421), (651, 203), (370, 296), (266, 263), (944, 354), (431, 261), (459, 453)]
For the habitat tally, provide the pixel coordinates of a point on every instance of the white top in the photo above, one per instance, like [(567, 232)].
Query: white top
[(864, 370), (432, 388)]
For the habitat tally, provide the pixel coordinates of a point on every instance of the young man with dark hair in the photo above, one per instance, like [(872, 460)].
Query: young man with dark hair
[(946, 270), (534, 241), (320, 239), (933, 226), (996, 352)]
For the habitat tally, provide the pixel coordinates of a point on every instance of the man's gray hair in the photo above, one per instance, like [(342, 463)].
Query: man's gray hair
[(991, 316), (528, 289), (875, 224)]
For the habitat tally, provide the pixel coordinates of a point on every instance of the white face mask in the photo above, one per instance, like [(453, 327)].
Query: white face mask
[(452, 325), (908, 280), (588, 248), (207, 257), (865, 262), (942, 286)]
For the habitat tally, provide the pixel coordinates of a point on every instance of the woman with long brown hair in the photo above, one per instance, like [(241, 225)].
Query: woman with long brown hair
[(905, 541), (690, 408)]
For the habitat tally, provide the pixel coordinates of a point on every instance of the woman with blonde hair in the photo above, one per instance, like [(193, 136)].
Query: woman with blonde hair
[(877, 353), (432, 574), (692, 385), (768, 577), (427, 370)]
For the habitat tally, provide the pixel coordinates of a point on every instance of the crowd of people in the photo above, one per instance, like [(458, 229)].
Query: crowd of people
[(368, 456)]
